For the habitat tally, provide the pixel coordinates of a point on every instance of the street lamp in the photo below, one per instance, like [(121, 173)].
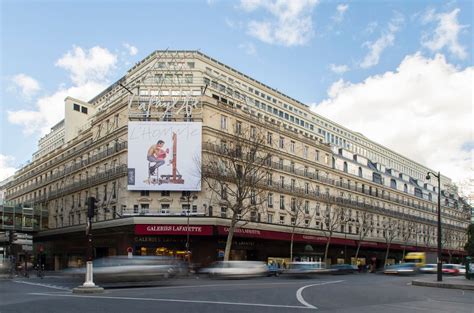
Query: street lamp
[(439, 269), (188, 213)]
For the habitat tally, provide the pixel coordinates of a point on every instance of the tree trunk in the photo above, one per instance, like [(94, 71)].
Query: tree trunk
[(291, 244), (230, 236), (327, 249), (403, 254), (357, 251), (386, 255)]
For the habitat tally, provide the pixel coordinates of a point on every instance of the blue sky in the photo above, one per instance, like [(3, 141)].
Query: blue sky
[(400, 72)]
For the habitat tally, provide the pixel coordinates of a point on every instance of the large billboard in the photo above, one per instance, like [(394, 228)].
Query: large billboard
[(164, 156)]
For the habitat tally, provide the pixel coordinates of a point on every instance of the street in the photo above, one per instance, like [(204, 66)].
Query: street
[(325, 293)]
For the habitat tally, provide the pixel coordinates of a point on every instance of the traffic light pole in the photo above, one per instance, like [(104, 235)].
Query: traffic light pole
[(89, 286)]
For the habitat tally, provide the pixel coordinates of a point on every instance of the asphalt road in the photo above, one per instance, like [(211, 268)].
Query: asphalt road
[(344, 293)]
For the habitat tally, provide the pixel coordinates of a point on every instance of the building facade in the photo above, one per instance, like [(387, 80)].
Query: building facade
[(315, 165)]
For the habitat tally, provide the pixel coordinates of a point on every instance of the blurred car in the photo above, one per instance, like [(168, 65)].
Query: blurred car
[(274, 270), (402, 269), (429, 269), (135, 269), (5, 267), (461, 268), (343, 269), (236, 269), (450, 269), (306, 268)]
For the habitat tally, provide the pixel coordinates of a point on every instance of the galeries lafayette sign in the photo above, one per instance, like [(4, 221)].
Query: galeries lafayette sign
[(195, 230)]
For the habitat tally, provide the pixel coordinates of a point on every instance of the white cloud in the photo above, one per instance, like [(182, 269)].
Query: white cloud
[(423, 110), (371, 27), (339, 69), (289, 24), (132, 50), (248, 48), (386, 40), (88, 66), (340, 11), (89, 71), (6, 167), (445, 34), (50, 109), (27, 85)]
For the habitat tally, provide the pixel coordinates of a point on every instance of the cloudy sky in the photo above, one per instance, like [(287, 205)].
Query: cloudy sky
[(400, 72)]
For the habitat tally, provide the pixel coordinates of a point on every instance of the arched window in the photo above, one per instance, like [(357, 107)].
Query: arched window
[(405, 188), (333, 163), (345, 167), (393, 183), (360, 171)]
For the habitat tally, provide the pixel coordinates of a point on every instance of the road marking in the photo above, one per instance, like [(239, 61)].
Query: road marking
[(41, 285), (299, 297), (225, 285), (172, 300)]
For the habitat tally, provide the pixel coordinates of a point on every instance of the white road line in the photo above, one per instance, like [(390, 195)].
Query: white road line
[(299, 297), (41, 285), (228, 285), (172, 300)]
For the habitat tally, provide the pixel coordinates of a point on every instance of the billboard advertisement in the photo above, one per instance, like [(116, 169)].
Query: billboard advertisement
[(164, 156)]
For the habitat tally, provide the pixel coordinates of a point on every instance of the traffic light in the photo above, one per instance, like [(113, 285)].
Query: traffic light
[(91, 207)]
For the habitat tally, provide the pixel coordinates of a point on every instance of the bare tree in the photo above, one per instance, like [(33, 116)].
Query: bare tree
[(334, 218), (234, 171), (364, 225), (448, 239), (390, 230), (407, 230), (299, 213), (427, 239)]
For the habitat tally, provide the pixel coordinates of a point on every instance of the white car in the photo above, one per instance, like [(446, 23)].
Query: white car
[(237, 269), (461, 268)]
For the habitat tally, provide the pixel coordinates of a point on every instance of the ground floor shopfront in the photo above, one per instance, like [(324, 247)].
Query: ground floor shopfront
[(206, 239)]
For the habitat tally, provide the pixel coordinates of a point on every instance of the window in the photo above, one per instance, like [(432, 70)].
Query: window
[(306, 207), (306, 188), (282, 181), (269, 138), (282, 202), (270, 218), (269, 179), (165, 193), (76, 107), (145, 193), (345, 167), (84, 110), (282, 220), (270, 200), (253, 197), (280, 163), (253, 132), (293, 184), (223, 211), (188, 78), (292, 146), (223, 122), (238, 128), (293, 204), (360, 171), (165, 208), (282, 143), (305, 152), (224, 192)]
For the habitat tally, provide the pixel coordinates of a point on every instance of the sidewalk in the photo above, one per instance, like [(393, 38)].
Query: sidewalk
[(457, 282)]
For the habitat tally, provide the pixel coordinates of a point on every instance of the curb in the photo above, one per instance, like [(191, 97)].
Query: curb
[(442, 285)]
